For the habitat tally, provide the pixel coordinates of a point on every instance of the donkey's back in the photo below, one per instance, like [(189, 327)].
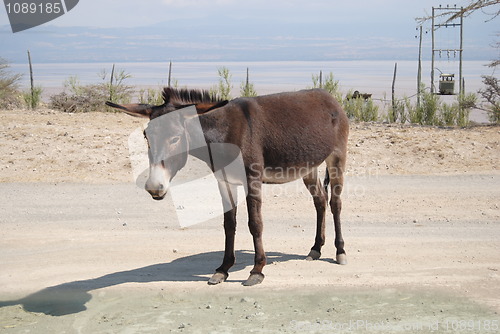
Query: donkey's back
[(292, 128)]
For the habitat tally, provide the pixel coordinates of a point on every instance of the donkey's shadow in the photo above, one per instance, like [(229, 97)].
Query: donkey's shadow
[(71, 297)]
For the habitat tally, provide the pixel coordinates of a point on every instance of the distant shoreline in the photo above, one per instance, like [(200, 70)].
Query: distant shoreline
[(373, 77)]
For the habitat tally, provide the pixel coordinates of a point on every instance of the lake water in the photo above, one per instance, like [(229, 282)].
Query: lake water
[(373, 77)]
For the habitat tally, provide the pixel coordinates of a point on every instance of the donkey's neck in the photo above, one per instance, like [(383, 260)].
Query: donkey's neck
[(215, 126), (201, 133), (204, 131)]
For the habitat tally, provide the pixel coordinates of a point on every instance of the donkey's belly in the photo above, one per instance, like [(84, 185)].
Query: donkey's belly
[(277, 175)]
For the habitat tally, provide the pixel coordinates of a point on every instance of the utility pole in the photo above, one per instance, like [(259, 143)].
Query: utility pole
[(462, 86), (435, 50)]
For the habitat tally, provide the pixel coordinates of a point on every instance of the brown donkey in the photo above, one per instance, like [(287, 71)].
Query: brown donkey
[(281, 137)]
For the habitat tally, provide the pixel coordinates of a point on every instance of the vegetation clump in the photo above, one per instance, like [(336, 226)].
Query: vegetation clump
[(10, 96), (87, 98)]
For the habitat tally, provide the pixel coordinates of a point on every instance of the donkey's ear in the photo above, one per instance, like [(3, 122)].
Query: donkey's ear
[(136, 110), (202, 108)]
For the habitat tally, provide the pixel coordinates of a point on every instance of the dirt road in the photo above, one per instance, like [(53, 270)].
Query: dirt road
[(81, 258)]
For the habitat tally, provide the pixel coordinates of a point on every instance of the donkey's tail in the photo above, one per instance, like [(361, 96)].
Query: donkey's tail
[(326, 183)]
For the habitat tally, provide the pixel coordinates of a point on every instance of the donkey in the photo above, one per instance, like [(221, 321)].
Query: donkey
[(281, 137)]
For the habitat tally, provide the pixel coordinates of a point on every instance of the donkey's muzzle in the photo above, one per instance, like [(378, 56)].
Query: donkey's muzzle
[(157, 185), (158, 198), (158, 191)]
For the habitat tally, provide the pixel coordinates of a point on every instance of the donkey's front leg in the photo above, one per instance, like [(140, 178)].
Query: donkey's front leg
[(254, 204), (222, 273), (229, 201)]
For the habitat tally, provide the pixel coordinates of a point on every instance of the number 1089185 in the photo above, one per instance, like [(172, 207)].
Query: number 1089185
[(34, 8)]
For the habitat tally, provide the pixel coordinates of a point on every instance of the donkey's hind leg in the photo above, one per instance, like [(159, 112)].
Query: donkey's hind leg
[(313, 184), (336, 165)]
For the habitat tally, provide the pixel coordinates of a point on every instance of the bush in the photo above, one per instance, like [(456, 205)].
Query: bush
[(448, 115), (10, 97), (413, 112), (115, 88), (331, 85), (491, 93), (32, 99), (361, 110), (247, 89), (89, 98), (397, 111), (223, 89), (428, 108), (150, 96), (86, 98), (465, 104), (433, 112)]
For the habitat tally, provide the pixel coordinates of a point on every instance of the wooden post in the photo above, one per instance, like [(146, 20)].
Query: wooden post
[(320, 79), (394, 114), (32, 84), (419, 74), (247, 81), (111, 83), (169, 73)]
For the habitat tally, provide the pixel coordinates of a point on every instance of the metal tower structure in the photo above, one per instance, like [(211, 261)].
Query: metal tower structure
[(453, 24)]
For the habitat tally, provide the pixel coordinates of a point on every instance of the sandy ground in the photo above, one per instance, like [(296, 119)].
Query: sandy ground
[(83, 249), (49, 146)]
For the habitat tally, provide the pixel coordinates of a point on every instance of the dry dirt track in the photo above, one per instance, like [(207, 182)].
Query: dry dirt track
[(83, 254)]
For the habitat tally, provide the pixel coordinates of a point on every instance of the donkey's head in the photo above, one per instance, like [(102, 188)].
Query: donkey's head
[(168, 138), (168, 148)]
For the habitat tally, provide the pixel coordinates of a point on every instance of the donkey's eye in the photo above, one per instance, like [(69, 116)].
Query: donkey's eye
[(175, 140)]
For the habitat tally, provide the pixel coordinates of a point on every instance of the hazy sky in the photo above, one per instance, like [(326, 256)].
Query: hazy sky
[(381, 22), (358, 14), (133, 13)]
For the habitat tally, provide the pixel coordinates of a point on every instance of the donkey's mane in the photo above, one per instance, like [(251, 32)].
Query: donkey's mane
[(188, 96)]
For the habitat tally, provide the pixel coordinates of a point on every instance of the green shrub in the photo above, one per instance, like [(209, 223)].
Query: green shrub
[(32, 99), (223, 89), (465, 104), (10, 97), (448, 115), (361, 110), (414, 115), (397, 111), (494, 113), (150, 96), (115, 87), (428, 108), (247, 90), (331, 85), (433, 112), (491, 94)]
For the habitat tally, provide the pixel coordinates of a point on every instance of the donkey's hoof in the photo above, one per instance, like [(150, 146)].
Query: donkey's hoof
[(254, 279), (217, 278), (313, 255), (342, 259)]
